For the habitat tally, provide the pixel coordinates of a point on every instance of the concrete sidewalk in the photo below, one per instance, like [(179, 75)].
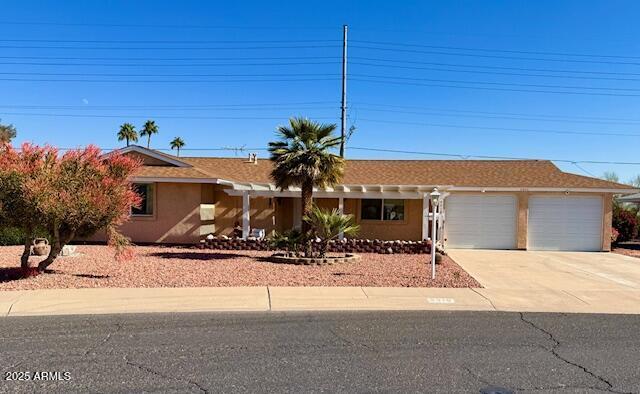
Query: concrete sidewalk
[(143, 300)]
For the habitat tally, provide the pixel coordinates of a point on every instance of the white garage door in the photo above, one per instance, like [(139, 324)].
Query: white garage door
[(565, 223), (480, 221)]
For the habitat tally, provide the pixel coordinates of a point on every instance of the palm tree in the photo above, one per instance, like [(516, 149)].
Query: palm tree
[(150, 128), (7, 133), (328, 225), (177, 143), (128, 132), (303, 158)]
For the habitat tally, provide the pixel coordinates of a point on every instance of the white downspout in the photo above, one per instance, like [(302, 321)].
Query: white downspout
[(341, 210), (246, 218)]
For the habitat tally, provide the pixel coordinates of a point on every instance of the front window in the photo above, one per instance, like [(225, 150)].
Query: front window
[(145, 190), (381, 209)]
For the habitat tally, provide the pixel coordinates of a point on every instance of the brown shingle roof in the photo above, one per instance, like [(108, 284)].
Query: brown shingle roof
[(171, 172), (461, 173)]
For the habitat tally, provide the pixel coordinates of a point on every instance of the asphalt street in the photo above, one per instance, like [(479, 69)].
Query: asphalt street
[(313, 352)]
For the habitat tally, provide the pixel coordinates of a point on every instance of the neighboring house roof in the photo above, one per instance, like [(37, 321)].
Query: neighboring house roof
[(630, 198), (457, 173)]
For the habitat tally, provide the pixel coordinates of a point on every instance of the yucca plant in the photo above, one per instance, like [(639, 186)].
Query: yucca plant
[(303, 158), (327, 225)]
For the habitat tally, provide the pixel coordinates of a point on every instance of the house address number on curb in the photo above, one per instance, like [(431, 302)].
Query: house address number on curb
[(441, 300)]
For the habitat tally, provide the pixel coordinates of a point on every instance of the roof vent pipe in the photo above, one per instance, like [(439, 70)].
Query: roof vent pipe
[(255, 158)]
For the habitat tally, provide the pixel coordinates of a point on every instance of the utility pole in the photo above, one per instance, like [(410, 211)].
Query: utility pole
[(344, 90)]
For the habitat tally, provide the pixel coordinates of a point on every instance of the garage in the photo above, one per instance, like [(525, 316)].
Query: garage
[(481, 221), (571, 223)]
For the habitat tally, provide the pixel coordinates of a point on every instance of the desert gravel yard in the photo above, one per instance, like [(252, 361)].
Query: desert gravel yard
[(631, 248), (155, 266)]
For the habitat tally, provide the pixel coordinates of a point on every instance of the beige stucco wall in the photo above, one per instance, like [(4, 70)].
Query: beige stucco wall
[(326, 203), (228, 212), (284, 216), (175, 219), (607, 201)]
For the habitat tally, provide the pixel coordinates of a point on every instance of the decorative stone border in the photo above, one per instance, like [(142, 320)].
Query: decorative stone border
[(281, 259), (344, 246)]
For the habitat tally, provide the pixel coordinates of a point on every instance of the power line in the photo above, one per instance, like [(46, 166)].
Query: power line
[(166, 41), (91, 108), (155, 116), (169, 75), (167, 65), (497, 113), (318, 74), (584, 170), (492, 67), (251, 106), (171, 48), (495, 88), (467, 156), (493, 56), (137, 25), (495, 50), (167, 81), (496, 83), (505, 129), (493, 72), (170, 58), (457, 115)]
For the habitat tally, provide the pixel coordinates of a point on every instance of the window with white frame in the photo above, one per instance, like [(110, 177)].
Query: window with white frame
[(145, 191), (382, 209)]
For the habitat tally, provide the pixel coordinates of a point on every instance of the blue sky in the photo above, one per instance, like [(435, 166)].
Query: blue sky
[(543, 79)]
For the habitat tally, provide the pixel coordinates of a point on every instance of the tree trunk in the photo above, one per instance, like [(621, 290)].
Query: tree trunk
[(28, 239), (148, 141), (307, 205), (324, 248), (57, 244)]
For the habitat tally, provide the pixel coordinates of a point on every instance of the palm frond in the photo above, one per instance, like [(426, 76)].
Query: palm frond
[(303, 154)]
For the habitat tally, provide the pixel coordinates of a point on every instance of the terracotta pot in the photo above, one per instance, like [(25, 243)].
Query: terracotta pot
[(40, 246)]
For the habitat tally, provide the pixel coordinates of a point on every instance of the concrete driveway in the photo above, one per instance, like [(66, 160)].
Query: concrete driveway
[(562, 281)]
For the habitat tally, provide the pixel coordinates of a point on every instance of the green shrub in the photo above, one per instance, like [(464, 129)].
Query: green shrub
[(11, 236), (626, 223), (289, 241), (15, 236)]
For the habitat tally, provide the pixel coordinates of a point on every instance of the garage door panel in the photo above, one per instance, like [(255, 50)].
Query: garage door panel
[(565, 223), (480, 221)]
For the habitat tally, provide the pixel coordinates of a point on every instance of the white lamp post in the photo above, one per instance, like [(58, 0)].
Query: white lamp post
[(435, 198)]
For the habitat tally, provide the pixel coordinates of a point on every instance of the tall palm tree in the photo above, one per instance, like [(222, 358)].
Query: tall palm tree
[(177, 143), (303, 158), (128, 133), (7, 133), (150, 128)]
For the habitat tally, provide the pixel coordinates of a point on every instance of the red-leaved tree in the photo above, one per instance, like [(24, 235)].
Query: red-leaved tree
[(73, 195)]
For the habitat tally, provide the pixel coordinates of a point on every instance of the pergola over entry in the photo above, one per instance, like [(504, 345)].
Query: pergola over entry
[(402, 192)]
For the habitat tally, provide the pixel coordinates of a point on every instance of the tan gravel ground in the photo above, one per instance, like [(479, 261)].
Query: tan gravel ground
[(186, 267), (631, 248)]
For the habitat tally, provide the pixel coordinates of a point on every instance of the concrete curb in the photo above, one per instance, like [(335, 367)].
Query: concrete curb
[(219, 299)]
